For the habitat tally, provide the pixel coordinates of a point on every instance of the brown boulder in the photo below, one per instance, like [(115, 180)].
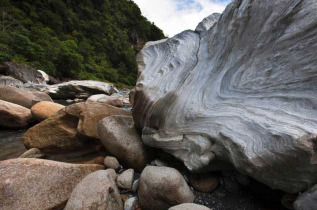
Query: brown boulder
[(45, 109), (14, 116), (18, 96), (90, 114), (39, 184), (96, 191), (121, 139), (56, 134)]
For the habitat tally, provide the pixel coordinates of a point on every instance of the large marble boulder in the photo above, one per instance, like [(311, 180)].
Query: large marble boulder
[(14, 116), (241, 95), (78, 89), (28, 183)]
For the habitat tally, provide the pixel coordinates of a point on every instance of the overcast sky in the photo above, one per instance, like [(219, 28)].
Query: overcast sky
[(175, 16)]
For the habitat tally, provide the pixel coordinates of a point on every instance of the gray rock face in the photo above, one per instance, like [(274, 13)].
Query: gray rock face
[(244, 94), (10, 81), (207, 23), (78, 89), (162, 187), (307, 200), (98, 190), (102, 98), (23, 73)]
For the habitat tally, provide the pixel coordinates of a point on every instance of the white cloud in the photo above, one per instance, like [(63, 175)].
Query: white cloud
[(175, 16)]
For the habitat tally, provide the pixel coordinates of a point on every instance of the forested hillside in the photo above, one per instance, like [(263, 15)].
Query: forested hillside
[(78, 39)]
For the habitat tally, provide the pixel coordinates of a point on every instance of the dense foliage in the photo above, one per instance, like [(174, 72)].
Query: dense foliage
[(79, 39)]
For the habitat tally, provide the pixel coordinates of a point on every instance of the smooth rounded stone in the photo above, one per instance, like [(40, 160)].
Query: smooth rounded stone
[(135, 185), (33, 153), (14, 116), (125, 180), (237, 95), (91, 113), (18, 96), (56, 134), (23, 73), (78, 89), (307, 200), (162, 187), (96, 191), (45, 109), (79, 100), (189, 206), (28, 183), (113, 173), (131, 204), (207, 23), (45, 76), (102, 98), (111, 162), (122, 140), (10, 81), (42, 96), (204, 182)]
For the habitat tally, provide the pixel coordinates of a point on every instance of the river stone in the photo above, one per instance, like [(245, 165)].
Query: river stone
[(102, 98), (78, 89), (125, 179), (162, 187), (204, 182), (10, 81), (111, 162), (131, 204), (45, 109), (41, 95), (14, 116), (32, 153), (96, 191), (307, 200), (56, 134), (18, 96), (90, 115), (23, 73), (189, 206), (28, 183), (243, 94), (121, 139)]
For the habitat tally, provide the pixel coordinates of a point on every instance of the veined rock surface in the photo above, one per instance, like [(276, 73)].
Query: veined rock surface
[(242, 94)]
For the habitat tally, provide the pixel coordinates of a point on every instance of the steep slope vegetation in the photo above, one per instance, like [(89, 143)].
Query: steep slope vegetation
[(82, 39)]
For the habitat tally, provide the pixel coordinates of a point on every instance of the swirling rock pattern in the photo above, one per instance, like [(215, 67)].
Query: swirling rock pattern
[(242, 94)]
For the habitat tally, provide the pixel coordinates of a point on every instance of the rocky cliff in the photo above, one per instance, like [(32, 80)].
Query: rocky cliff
[(239, 92)]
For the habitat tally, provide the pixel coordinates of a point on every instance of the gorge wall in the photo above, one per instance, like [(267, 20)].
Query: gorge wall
[(241, 94)]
